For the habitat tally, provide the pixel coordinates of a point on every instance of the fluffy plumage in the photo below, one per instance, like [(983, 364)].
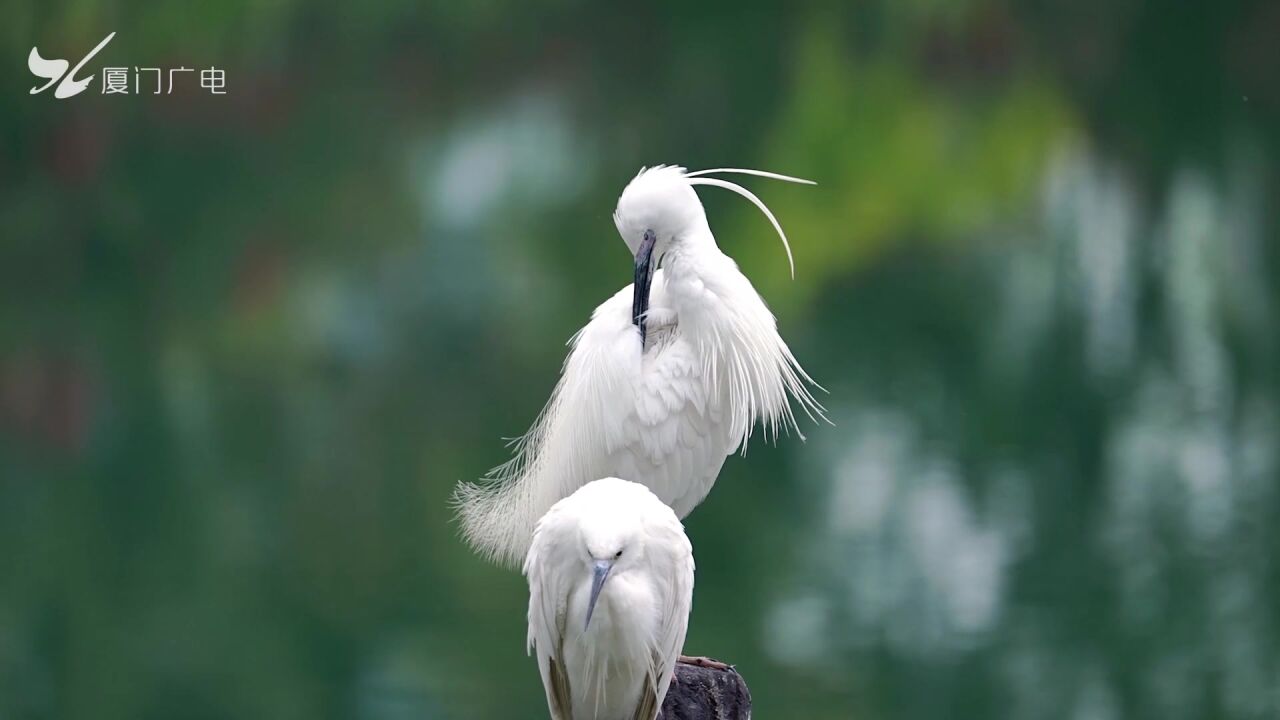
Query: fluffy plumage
[(617, 665), (665, 413)]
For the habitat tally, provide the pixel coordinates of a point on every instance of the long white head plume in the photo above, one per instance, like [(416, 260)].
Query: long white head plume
[(758, 203), (749, 171)]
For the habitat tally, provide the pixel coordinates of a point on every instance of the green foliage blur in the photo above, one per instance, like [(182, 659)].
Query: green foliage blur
[(249, 343)]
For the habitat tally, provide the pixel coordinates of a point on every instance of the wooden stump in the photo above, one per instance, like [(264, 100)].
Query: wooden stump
[(705, 693)]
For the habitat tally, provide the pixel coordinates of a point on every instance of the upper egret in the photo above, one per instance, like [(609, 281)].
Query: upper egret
[(610, 587), (666, 380)]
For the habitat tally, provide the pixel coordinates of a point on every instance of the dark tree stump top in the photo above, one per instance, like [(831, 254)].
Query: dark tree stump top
[(706, 693)]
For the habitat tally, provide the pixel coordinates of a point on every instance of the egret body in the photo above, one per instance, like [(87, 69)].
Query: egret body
[(667, 379), (610, 587)]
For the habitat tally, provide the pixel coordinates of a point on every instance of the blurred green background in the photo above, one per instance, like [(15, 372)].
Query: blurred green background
[(249, 343)]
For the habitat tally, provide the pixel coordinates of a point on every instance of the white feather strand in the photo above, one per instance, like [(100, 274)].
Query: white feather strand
[(758, 203), (748, 171)]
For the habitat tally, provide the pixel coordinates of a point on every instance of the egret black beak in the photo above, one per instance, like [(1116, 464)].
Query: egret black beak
[(599, 573), (644, 278)]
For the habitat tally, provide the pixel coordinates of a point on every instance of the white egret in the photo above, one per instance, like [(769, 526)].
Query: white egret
[(667, 379), (610, 575)]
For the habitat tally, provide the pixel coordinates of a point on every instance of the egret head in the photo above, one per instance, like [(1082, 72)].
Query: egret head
[(613, 542), (661, 203), (659, 211)]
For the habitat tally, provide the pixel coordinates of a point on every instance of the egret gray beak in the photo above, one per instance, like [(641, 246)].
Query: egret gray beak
[(644, 278), (599, 573)]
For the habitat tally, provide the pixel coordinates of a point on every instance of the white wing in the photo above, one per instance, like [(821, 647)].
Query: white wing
[(548, 603), (677, 602), (671, 434), (647, 419)]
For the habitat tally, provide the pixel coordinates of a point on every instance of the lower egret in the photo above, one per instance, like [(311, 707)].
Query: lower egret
[(610, 575)]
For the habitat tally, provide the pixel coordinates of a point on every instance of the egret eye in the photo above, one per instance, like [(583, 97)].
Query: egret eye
[(617, 554)]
